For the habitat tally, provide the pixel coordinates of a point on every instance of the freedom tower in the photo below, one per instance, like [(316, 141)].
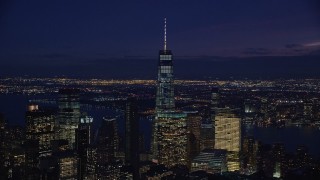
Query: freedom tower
[(165, 91), (169, 137)]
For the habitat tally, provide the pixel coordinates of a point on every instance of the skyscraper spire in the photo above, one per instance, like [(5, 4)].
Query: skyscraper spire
[(165, 34), (169, 128)]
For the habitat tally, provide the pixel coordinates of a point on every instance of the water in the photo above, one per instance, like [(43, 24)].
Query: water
[(14, 108), (291, 137)]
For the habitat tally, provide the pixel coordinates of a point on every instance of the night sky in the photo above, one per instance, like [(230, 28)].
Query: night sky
[(121, 39)]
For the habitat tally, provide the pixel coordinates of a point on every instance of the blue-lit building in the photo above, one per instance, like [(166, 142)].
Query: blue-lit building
[(169, 144), (68, 115), (165, 90)]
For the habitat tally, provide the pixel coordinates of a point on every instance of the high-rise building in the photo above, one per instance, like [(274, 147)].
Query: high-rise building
[(32, 160), (215, 97), (211, 161), (165, 91), (194, 124), (2, 146), (39, 135), (2, 129), (214, 105), (107, 142), (14, 153), (172, 139), (68, 115), (132, 136), (249, 153), (40, 127), (279, 161), (228, 135), (83, 140), (194, 129), (91, 164), (67, 165), (169, 143), (206, 136)]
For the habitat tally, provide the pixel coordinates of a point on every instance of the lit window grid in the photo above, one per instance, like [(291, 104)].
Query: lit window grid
[(68, 167), (172, 141), (165, 57), (227, 132), (166, 69), (41, 127)]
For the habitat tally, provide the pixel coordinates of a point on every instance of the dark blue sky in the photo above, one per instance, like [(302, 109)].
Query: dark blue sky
[(41, 34)]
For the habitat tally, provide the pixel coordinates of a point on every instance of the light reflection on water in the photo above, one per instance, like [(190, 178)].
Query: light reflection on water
[(291, 137), (14, 107)]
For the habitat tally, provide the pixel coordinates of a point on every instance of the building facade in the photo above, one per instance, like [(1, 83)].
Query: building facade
[(172, 139), (228, 135), (68, 115), (40, 127), (165, 90), (169, 143), (132, 136), (83, 141)]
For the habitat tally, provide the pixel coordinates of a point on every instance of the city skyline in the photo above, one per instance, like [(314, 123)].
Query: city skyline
[(82, 96), (279, 125)]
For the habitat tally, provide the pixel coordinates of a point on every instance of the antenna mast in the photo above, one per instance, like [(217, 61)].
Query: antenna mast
[(165, 34)]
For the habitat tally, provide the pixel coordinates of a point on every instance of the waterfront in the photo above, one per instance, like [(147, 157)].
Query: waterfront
[(14, 107), (291, 137)]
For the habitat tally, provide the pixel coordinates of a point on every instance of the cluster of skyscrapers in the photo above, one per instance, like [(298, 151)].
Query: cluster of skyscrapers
[(62, 144), (176, 134)]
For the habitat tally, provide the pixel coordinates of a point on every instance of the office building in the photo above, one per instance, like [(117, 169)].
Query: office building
[(250, 153), (107, 141), (169, 143), (194, 129), (228, 135), (68, 115), (172, 139), (67, 165), (32, 160), (83, 141), (40, 127), (206, 136), (165, 90), (2, 129), (194, 124), (39, 135), (132, 136), (211, 161), (215, 101), (2, 147), (91, 165)]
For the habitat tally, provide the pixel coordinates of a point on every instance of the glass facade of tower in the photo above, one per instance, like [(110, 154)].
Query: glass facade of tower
[(68, 115), (194, 129), (165, 91), (169, 137), (83, 140), (107, 141), (132, 136)]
